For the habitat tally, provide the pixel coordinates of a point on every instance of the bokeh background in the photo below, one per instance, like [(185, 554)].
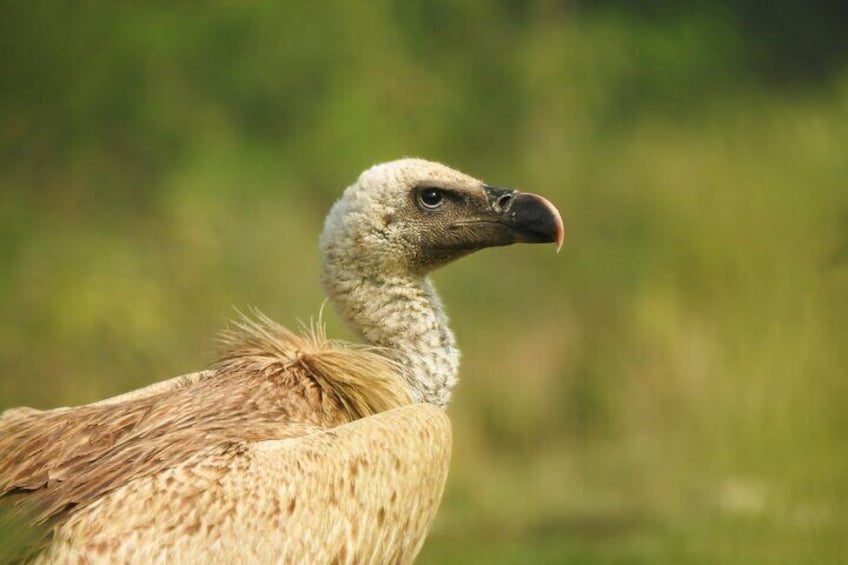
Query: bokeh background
[(671, 388)]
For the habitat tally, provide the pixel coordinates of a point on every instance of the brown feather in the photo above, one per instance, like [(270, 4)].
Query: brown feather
[(358, 378), (363, 492), (269, 384)]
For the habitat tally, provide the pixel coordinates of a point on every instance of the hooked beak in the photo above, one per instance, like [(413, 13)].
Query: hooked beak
[(531, 218)]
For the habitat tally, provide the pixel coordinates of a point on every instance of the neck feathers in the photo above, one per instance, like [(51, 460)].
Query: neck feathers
[(404, 317)]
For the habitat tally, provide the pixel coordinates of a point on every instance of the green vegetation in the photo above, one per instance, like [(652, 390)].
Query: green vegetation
[(671, 388)]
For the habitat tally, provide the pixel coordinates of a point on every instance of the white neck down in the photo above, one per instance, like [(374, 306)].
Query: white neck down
[(404, 316)]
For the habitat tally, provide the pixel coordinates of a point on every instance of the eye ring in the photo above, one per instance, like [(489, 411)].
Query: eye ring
[(431, 198)]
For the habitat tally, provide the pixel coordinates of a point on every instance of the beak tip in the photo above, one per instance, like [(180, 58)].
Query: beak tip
[(559, 229)]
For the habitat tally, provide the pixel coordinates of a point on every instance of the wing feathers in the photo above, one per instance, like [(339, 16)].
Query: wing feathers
[(363, 492), (269, 384)]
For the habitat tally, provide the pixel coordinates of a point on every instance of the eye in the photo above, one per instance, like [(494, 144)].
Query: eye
[(431, 198)]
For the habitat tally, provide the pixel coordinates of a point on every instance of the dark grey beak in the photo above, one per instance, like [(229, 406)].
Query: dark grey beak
[(531, 218)]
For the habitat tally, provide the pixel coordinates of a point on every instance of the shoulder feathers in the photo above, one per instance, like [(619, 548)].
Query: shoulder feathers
[(269, 384)]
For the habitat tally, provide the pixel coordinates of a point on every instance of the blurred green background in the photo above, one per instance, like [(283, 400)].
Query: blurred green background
[(671, 388)]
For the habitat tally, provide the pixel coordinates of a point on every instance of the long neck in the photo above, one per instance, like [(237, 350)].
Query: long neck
[(404, 315)]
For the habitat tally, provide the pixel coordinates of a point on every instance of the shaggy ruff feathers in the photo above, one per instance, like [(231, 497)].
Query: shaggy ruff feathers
[(359, 379), (269, 383)]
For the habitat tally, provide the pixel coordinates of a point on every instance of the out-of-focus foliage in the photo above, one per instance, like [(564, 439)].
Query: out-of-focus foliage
[(671, 388)]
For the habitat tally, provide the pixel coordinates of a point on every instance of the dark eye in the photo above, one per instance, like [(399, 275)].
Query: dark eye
[(431, 198)]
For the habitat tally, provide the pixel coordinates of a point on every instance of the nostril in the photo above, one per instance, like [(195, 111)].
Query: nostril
[(504, 201)]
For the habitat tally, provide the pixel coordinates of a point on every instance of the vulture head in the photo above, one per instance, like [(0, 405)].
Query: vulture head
[(393, 226), (410, 216)]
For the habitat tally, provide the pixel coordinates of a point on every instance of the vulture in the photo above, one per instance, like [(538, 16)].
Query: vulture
[(291, 448)]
